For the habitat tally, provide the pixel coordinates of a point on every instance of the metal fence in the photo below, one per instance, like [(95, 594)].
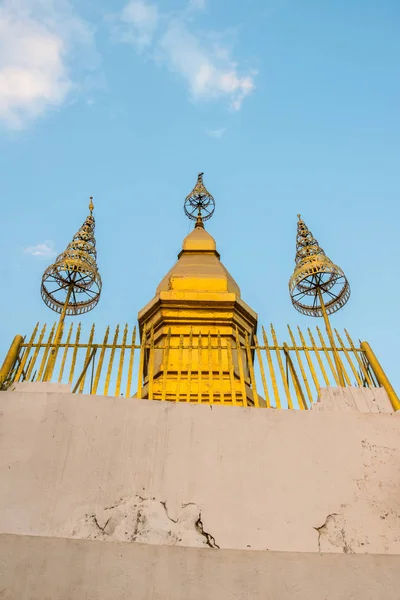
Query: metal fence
[(264, 372)]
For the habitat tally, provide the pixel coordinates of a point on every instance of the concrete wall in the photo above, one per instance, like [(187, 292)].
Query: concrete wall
[(58, 569), (175, 474)]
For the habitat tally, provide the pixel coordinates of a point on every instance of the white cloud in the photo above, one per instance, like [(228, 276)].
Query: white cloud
[(43, 250), (215, 133), (137, 23), (38, 42), (202, 60), (197, 4)]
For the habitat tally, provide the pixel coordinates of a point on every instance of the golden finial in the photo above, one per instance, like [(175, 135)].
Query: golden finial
[(317, 287), (72, 285), (199, 204), (91, 205), (315, 273)]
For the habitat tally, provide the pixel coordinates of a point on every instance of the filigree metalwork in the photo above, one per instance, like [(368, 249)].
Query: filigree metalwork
[(199, 204), (316, 283), (73, 284)]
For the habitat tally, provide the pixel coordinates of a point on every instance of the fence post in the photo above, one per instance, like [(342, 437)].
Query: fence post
[(380, 374), (11, 358)]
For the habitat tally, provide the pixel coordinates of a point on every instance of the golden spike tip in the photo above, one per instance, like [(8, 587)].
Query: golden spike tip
[(91, 205)]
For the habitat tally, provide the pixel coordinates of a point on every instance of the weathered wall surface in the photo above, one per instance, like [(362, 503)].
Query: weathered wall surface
[(42, 568), (165, 473)]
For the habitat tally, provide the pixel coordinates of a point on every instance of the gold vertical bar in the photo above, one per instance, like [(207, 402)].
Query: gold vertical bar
[(280, 364), (328, 358), (65, 353), (165, 365), (141, 363), (45, 353), (252, 375), (100, 363), (151, 364), (231, 371), (110, 362), (264, 381), (241, 370), (302, 370), (35, 354), (121, 362), (130, 367), (87, 356), (296, 383), (347, 355), (221, 374), (320, 363), (190, 365), (309, 361), (380, 375), (74, 353), (210, 371), (360, 362), (180, 359), (271, 370), (27, 351), (200, 352)]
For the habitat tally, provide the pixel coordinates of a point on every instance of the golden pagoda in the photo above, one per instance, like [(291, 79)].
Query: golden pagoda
[(197, 323)]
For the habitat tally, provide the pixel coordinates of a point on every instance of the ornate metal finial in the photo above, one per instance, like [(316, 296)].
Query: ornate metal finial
[(91, 205), (72, 285), (199, 204), (317, 284)]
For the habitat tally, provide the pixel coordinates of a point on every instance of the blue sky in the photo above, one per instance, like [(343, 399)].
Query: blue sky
[(287, 107)]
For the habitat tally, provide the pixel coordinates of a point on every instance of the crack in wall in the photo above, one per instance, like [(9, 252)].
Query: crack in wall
[(323, 528), (210, 540), (146, 520)]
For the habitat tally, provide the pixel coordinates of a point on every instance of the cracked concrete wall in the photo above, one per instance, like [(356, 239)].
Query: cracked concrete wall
[(33, 568), (213, 476)]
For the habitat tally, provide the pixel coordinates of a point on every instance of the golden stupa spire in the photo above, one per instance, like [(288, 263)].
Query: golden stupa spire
[(72, 285), (199, 204), (317, 287)]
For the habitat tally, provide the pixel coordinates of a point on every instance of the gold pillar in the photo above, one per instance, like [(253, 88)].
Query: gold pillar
[(332, 340), (380, 374), (11, 358)]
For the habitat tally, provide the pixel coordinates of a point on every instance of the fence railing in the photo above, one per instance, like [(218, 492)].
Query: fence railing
[(264, 372)]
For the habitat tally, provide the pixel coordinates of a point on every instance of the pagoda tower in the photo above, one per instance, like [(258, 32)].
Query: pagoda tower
[(197, 323)]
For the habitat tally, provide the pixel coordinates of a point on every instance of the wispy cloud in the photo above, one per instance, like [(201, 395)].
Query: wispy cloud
[(43, 250), (197, 4), (215, 133), (39, 41), (202, 60), (136, 24)]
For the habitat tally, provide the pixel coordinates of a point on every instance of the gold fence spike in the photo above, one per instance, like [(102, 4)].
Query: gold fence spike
[(359, 360), (150, 371), (33, 359), (241, 370), (65, 353), (199, 375), (45, 353), (25, 355), (210, 371), (178, 383), (316, 353), (262, 372), (188, 395), (281, 369), (130, 367), (88, 356), (300, 363), (141, 363), (74, 353), (121, 361), (100, 363), (221, 373), (347, 355), (296, 383), (271, 370), (309, 361), (165, 364), (111, 360), (231, 371), (251, 370)]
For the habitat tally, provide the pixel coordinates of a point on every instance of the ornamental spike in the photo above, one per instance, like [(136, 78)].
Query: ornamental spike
[(73, 283), (316, 278)]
